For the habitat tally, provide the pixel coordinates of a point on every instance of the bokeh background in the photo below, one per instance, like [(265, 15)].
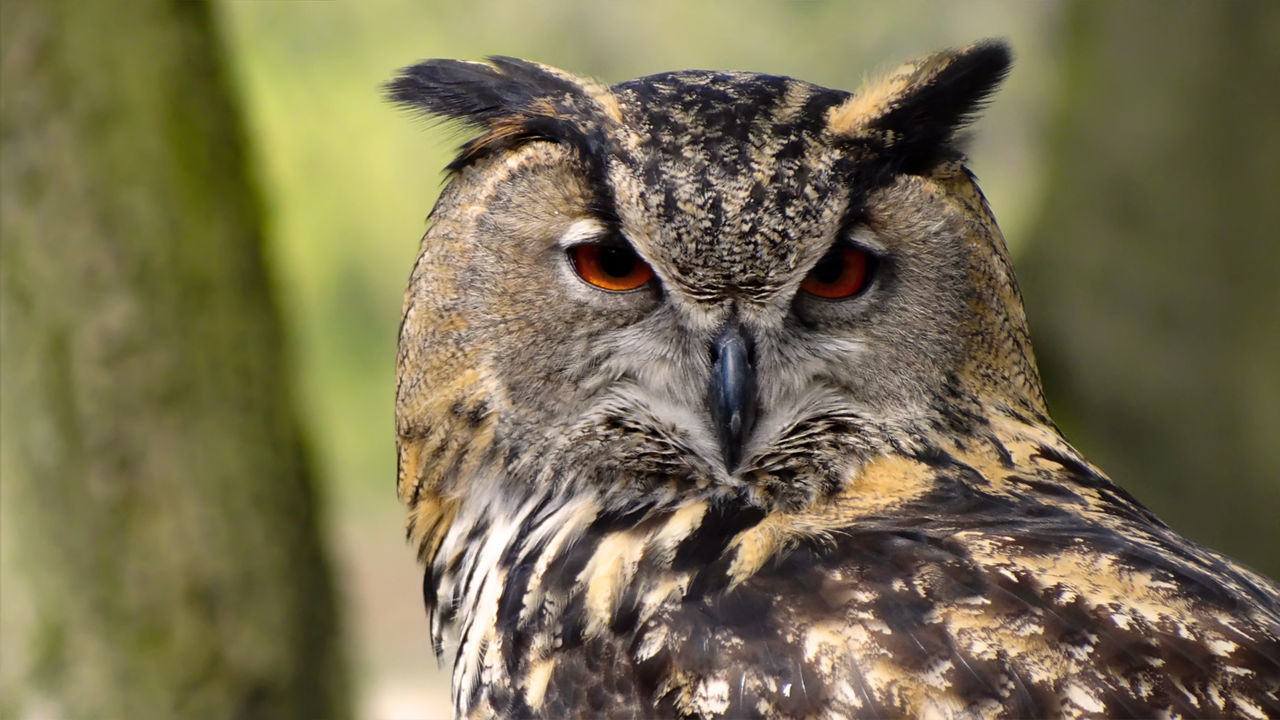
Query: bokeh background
[(1132, 160)]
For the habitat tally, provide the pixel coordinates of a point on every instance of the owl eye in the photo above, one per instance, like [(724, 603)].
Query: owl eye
[(843, 272), (610, 266)]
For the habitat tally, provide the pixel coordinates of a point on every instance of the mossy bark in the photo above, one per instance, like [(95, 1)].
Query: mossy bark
[(1151, 282), (163, 553)]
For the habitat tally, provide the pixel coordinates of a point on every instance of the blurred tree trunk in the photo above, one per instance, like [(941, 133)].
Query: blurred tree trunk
[(1153, 282), (155, 487)]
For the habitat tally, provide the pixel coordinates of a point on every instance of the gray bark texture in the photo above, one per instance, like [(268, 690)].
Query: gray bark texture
[(163, 557), (1153, 279)]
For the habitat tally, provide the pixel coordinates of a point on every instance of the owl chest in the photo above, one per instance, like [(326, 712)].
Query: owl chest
[(576, 621)]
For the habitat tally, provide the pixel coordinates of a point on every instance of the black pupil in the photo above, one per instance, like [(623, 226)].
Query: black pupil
[(617, 261), (829, 268)]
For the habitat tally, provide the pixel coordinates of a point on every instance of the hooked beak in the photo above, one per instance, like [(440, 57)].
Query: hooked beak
[(732, 396)]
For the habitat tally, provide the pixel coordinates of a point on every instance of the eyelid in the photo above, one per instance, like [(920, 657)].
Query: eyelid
[(862, 238), (582, 231)]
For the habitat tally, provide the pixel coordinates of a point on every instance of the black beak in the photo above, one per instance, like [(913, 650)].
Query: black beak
[(732, 398)]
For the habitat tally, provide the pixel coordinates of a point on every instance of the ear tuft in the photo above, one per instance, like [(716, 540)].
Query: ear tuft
[(474, 92), (912, 115), (514, 100)]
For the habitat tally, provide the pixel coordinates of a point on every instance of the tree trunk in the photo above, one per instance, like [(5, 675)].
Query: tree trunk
[(1152, 282), (162, 554)]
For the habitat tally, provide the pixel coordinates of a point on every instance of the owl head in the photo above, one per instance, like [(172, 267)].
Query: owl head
[(697, 283)]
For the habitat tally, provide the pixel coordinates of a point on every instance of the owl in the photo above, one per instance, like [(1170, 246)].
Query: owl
[(715, 399)]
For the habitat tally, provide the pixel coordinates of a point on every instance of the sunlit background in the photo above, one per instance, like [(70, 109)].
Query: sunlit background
[(347, 182)]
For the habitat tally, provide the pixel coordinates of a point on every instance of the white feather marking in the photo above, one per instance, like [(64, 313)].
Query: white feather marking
[(1082, 698)]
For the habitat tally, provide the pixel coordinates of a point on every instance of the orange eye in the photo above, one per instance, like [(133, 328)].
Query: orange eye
[(610, 267), (841, 273)]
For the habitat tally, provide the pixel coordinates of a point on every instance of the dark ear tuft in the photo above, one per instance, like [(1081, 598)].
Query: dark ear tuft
[(474, 92), (514, 100), (912, 115)]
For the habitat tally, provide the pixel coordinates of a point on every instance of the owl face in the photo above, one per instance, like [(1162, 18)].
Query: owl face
[(701, 280)]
